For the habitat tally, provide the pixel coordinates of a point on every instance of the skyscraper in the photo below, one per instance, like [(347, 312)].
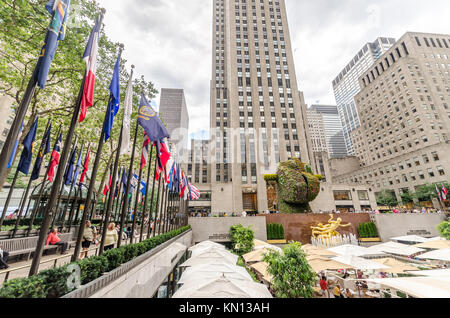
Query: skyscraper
[(256, 116), (346, 85), (403, 140), (333, 130), (173, 112)]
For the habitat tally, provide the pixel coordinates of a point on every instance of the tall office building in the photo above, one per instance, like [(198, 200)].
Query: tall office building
[(173, 112), (333, 130), (317, 131), (256, 115), (346, 85), (404, 106)]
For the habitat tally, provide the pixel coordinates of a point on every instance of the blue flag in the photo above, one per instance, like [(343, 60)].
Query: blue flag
[(79, 167), (43, 150), (13, 155), (124, 180), (114, 100), (56, 32), (143, 187), (69, 169), (153, 126), (27, 152)]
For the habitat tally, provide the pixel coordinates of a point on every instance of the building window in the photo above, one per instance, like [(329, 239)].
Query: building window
[(363, 195), (342, 195)]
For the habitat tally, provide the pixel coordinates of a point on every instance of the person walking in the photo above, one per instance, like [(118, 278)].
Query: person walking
[(111, 237), (53, 239), (89, 236), (324, 286)]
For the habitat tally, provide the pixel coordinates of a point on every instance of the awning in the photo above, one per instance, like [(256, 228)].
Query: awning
[(396, 248), (261, 268), (353, 250), (255, 256), (223, 288), (420, 287), (204, 244), (212, 256), (202, 272), (440, 255), (314, 250), (359, 263), (410, 238), (319, 264), (396, 267), (432, 273), (434, 245)]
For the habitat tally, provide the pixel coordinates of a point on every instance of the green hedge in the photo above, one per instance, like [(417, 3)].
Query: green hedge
[(275, 231), (52, 283), (242, 239), (22, 222), (367, 230)]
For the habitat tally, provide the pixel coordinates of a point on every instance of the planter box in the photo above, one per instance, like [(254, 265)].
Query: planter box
[(370, 239), (276, 241)]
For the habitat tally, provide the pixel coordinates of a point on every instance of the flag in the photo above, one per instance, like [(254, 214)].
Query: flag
[(56, 32), (195, 194), (183, 185), (79, 167), (43, 150), (114, 100), (85, 168), (68, 175), (13, 155), (151, 123), (116, 193), (128, 109), (144, 156), (108, 184), (124, 180), (134, 182), (438, 192), (444, 192), (90, 57), (55, 158), (143, 187), (164, 159), (27, 152)]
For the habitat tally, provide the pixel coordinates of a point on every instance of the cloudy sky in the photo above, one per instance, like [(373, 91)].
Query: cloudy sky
[(169, 41)]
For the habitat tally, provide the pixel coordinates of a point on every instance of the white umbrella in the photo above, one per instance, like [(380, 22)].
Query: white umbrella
[(432, 273), (223, 288), (410, 238), (359, 263), (205, 249), (396, 248), (353, 250), (441, 255), (211, 256), (419, 287), (196, 276), (206, 244)]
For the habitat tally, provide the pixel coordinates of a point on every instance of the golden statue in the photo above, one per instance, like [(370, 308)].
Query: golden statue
[(328, 230)]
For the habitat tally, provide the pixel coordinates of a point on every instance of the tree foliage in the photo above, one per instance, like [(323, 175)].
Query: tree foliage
[(293, 277), (386, 198), (444, 229), (23, 26), (428, 192), (242, 239)]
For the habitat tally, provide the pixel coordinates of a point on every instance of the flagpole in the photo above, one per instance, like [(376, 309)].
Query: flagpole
[(163, 197), (30, 181), (150, 213), (118, 199), (130, 172), (57, 215), (136, 205), (111, 194), (50, 209), (41, 191), (158, 201), (149, 170)]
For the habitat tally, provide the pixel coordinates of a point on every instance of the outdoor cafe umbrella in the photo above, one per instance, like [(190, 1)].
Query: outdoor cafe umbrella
[(410, 238), (319, 264), (434, 245), (261, 268), (396, 248), (212, 256), (359, 263), (224, 268), (396, 267), (440, 255), (222, 288), (353, 250), (255, 256), (313, 250), (204, 244)]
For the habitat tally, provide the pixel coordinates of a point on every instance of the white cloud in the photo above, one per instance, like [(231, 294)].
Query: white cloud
[(169, 41)]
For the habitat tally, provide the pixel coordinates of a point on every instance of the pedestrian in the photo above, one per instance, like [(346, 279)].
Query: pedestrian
[(244, 214), (324, 286), (111, 237), (89, 236), (3, 258), (337, 292), (53, 239)]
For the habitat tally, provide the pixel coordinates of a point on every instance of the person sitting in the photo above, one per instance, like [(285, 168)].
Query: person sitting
[(3, 258), (349, 294), (53, 239), (337, 292)]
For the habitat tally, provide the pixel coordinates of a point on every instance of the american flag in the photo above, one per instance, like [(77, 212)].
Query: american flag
[(195, 194)]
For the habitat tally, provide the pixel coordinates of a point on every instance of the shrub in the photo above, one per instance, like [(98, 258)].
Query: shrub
[(271, 177), (242, 239), (367, 230), (275, 231), (444, 229), (52, 283)]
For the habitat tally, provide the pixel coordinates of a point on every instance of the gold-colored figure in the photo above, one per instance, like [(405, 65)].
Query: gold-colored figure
[(328, 230)]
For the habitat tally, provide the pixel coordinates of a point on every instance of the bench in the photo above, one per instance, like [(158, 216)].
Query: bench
[(27, 245)]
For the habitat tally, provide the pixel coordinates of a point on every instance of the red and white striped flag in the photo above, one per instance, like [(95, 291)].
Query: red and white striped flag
[(90, 57), (195, 194), (144, 156)]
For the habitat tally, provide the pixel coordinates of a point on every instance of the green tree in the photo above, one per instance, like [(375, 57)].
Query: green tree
[(428, 192), (407, 198), (23, 25), (387, 198), (242, 239), (293, 277), (444, 229)]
